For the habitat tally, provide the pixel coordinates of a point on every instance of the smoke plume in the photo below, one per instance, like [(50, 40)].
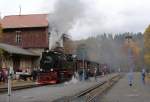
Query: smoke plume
[(65, 15)]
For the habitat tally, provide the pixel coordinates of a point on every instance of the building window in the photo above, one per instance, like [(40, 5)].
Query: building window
[(18, 37)]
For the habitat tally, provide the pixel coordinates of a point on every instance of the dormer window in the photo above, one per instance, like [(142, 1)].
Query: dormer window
[(18, 37)]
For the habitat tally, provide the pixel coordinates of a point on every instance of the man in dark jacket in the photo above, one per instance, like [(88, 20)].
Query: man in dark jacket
[(34, 74)]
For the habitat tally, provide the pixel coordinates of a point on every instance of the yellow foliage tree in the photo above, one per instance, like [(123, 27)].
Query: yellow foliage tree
[(135, 51), (147, 46)]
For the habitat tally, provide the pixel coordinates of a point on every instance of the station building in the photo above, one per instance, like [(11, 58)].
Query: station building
[(24, 37)]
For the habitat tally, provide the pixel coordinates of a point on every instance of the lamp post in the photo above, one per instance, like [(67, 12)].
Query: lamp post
[(130, 56), (83, 60), (81, 52), (83, 77), (75, 66), (74, 62), (10, 74)]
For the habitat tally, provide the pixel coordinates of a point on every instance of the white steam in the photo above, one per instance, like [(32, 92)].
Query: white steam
[(65, 15)]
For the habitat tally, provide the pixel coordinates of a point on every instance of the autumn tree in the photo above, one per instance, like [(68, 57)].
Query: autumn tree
[(147, 46)]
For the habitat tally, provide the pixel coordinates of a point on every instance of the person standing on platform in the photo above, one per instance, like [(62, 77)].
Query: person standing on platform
[(143, 74), (34, 74), (95, 74), (130, 78)]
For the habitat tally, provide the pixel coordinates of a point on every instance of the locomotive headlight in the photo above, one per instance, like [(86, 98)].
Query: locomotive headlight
[(51, 69)]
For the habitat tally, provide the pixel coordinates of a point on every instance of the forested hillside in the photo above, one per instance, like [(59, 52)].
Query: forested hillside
[(106, 48)]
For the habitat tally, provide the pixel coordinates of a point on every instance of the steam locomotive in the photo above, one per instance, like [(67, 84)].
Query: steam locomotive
[(55, 67), (58, 67)]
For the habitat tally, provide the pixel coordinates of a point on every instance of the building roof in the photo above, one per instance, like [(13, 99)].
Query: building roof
[(16, 50), (25, 21)]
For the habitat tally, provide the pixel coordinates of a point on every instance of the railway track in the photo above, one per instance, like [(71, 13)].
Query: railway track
[(91, 94)]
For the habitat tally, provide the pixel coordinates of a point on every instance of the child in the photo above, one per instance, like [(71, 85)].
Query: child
[(130, 78)]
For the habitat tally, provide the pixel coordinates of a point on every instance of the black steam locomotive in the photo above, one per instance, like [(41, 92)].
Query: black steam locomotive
[(55, 67)]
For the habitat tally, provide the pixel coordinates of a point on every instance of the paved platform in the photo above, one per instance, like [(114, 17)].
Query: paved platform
[(17, 84), (122, 92), (51, 92)]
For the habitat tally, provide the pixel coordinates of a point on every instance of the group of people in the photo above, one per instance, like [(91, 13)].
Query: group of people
[(29, 75), (85, 74), (3, 75), (18, 75), (130, 77)]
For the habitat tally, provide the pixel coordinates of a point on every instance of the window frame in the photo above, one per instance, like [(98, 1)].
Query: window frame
[(18, 38)]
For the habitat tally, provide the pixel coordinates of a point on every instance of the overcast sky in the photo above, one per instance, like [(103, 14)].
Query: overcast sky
[(99, 16)]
